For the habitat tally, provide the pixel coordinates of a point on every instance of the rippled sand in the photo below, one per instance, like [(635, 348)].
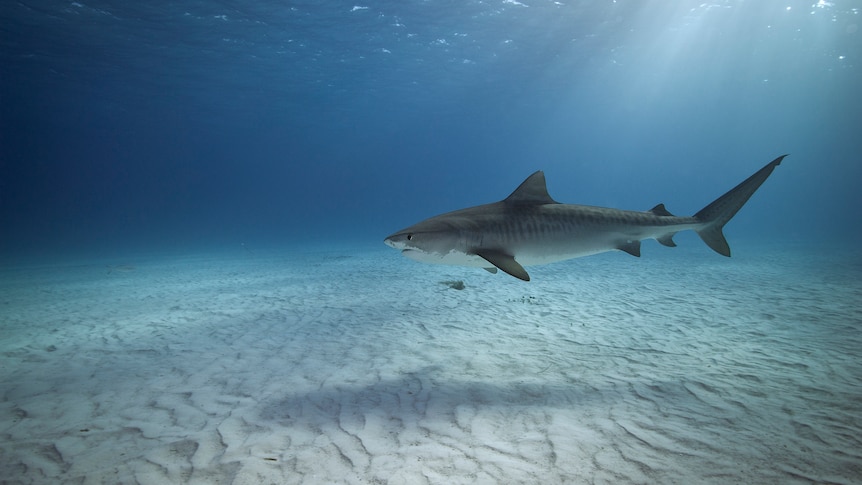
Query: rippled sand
[(332, 366)]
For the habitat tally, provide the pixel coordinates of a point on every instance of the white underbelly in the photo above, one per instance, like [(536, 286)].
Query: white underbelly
[(551, 250), (455, 258)]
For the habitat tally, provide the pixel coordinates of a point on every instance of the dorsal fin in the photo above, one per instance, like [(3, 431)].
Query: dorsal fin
[(660, 210), (534, 190)]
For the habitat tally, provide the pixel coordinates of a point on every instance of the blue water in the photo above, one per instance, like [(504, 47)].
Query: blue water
[(195, 124), (194, 286)]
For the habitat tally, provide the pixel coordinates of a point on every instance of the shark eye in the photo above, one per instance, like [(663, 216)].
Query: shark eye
[(410, 237)]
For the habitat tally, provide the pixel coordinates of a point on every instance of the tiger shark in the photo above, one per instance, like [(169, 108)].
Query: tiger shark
[(530, 228)]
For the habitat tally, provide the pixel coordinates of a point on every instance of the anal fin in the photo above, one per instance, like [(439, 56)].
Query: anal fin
[(506, 263), (667, 240)]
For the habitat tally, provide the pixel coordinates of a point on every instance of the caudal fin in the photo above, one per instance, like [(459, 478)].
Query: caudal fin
[(715, 215)]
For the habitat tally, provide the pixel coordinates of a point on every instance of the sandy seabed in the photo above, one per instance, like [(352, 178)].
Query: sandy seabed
[(314, 365)]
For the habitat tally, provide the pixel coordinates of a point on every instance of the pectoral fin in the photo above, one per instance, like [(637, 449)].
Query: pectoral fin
[(505, 262)]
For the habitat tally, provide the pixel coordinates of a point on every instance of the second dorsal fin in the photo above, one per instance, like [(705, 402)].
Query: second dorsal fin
[(660, 210)]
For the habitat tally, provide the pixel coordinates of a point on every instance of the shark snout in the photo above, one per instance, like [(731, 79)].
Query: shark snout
[(394, 242)]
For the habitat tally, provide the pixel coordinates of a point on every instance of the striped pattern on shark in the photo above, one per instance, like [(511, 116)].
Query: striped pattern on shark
[(530, 228)]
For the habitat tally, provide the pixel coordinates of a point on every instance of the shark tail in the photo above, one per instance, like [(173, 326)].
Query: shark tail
[(719, 212)]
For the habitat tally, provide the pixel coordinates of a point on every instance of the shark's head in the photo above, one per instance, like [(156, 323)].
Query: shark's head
[(429, 241)]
